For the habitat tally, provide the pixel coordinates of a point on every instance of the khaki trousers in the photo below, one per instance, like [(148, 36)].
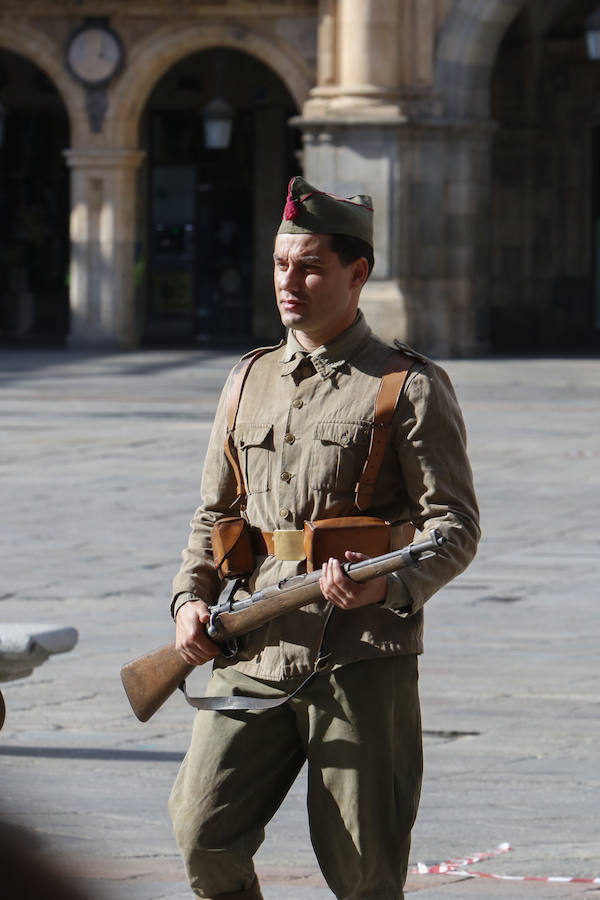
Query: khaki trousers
[(359, 729)]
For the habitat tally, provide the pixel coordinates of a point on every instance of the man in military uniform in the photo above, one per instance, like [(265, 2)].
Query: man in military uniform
[(303, 428)]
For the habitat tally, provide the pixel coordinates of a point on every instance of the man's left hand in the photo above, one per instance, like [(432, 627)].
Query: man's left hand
[(340, 590)]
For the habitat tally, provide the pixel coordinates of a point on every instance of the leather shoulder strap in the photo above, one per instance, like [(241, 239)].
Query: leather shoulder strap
[(234, 394), (390, 388)]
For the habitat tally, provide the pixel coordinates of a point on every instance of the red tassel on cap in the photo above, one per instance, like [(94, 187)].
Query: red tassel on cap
[(291, 209)]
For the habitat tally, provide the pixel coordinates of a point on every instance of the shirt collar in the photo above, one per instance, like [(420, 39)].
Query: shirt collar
[(328, 358)]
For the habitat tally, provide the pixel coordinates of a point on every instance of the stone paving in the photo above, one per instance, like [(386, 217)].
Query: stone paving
[(100, 457)]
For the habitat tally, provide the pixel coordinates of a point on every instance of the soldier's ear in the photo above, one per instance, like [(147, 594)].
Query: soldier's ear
[(360, 271)]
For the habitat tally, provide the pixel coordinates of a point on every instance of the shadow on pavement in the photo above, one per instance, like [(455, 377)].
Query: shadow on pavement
[(93, 753)]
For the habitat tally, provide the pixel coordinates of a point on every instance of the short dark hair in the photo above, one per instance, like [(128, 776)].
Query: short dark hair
[(350, 248)]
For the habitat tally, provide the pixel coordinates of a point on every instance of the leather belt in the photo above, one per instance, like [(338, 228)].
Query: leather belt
[(283, 545), (288, 545)]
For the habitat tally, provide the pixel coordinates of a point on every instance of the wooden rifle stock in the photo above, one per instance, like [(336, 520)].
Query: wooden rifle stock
[(149, 680), (152, 678)]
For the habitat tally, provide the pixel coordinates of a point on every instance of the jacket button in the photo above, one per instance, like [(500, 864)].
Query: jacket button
[(289, 438), (284, 512), (285, 476), (297, 403)]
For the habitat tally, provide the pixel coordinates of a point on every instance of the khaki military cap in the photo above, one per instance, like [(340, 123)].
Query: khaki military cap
[(311, 211)]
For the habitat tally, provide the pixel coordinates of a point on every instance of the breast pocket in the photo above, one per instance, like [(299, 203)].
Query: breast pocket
[(255, 449), (338, 453)]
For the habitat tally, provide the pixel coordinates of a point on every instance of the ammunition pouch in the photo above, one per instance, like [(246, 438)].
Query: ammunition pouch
[(232, 549), (327, 538)]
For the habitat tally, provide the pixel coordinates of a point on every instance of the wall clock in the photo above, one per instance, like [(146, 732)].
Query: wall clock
[(94, 53)]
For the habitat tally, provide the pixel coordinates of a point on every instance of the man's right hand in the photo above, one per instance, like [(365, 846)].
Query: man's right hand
[(191, 639)]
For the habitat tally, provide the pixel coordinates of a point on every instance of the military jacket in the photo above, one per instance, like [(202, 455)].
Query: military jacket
[(302, 435)]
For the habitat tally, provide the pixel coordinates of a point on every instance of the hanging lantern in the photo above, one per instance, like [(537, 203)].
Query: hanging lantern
[(218, 124), (592, 35)]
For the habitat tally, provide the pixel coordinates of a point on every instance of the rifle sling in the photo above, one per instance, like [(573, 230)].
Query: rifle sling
[(231, 703), (224, 704)]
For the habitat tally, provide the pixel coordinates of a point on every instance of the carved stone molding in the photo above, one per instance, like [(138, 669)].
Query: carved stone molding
[(141, 8), (96, 104)]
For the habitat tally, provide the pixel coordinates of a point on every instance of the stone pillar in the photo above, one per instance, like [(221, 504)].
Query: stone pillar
[(327, 58), (430, 184), (102, 289), (357, 58), (348, 157), (350, 127), (368, 62), (443, 253), (374, 125)]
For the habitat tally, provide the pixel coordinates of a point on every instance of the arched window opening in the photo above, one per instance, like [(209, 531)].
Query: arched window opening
[(34, 205), (545, 217), (219, 153)]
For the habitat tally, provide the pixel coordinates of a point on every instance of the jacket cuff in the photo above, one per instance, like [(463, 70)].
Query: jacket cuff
[(179, 600), (397, 598)]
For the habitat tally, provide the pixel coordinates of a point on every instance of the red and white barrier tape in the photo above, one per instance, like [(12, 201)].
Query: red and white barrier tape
[(457, 867), (459, 862)]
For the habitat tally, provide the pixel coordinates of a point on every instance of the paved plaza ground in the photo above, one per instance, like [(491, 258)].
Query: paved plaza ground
[(100, 457)]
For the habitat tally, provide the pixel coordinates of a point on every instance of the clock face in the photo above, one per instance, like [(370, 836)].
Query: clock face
[(94, 54)]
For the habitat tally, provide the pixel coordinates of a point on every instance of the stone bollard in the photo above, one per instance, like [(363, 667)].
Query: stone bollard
[(23, 647)]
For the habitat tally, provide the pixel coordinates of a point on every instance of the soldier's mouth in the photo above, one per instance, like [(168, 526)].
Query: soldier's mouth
[(291, 303)]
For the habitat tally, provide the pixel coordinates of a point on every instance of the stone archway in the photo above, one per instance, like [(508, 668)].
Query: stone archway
[(41, 51), (452, 315), (465, 54), (105, 302), (529, 293), (545, 196), (206, 215), (152, 58)]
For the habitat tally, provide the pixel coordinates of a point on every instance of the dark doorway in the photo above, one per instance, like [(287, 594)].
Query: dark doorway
[(34, 206), (545, 185), (204, 271)]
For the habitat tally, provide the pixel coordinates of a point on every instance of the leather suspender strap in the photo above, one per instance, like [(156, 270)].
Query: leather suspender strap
[(390, 388), (234, 393)]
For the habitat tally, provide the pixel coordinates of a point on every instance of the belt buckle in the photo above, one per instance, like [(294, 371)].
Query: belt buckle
[(288, 545)]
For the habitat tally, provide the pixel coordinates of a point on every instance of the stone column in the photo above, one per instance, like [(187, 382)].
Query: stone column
[(350, 132), (443, 253), (102, 289), (368, 61), (348, 157), (327, 58), (373, 125), (357, 58), (430, 183)]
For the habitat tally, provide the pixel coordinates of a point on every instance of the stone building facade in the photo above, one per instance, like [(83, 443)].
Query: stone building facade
[(473, 123)]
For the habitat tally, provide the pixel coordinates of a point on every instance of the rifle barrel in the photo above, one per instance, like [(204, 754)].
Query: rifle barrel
[(300, 590)]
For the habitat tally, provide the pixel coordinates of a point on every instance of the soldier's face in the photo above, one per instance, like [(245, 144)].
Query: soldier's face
[(316, 295)]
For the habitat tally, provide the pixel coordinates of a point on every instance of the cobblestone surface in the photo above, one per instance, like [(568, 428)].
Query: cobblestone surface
[(97, 454)]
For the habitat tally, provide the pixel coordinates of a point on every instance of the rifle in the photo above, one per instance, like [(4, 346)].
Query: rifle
[(149, 680)]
